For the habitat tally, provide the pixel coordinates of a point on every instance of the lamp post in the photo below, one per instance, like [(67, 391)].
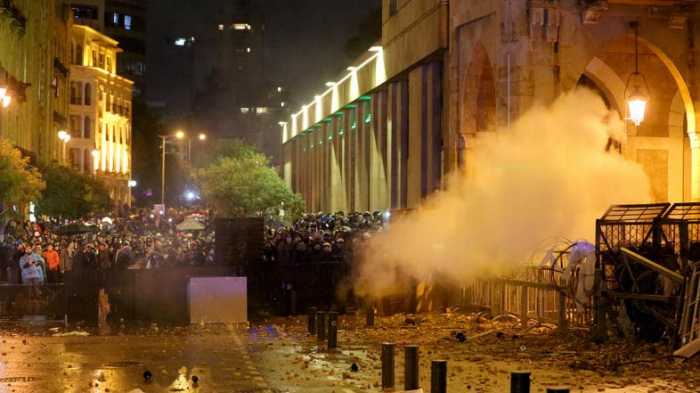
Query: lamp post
[(178, 135), (202, 137), (65, 137), (636, 89)]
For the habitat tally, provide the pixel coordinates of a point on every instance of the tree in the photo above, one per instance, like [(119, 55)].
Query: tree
[(231, 148), (19, 182), (244, 184), (70, 193)]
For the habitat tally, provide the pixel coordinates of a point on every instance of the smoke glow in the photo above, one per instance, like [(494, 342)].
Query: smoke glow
[(546, 177)]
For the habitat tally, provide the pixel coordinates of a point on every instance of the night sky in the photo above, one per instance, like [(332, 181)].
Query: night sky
[(304, 40)]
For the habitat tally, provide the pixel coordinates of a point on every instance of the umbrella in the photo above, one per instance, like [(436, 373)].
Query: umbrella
[(75, 229), (190, 224)]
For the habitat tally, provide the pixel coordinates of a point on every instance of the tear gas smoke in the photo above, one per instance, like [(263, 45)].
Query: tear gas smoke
[(547, 176)]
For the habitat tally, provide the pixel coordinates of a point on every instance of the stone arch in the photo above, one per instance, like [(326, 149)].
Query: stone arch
[(478, 109), (658, 144)]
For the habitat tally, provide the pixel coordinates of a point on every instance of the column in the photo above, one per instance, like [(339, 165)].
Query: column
[(397, 143), (379, 199), (337, 178)]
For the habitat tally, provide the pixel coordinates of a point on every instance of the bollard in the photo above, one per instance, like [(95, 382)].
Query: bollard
[(293, 306), (558, 389), (332, 329), (520, 382), (438, 376), (411, 379), (370, 316), (312, 320), (387, 365), (321, 325)]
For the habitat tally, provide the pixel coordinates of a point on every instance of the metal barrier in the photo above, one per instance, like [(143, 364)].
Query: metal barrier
[(533, 294), (317, 284), (18, 301)]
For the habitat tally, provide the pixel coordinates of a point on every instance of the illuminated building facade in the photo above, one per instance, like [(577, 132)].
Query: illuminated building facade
[(125, 21), (34, 68), (386, 134), (100, 112)]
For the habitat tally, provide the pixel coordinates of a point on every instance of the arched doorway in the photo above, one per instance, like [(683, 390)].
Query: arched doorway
[(478, 102), (656, 144)]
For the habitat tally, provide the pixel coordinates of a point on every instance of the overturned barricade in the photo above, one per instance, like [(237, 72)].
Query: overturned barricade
[(646, 272)]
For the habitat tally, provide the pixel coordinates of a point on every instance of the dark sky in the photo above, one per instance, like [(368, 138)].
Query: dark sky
[(304, 39)]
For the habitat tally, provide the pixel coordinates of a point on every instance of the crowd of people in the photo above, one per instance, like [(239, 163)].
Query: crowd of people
[(33, 252), (321, 237)]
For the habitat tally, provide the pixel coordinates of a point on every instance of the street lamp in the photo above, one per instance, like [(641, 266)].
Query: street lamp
[(637, 96), (178, 135), (202, 137), (65, 137)]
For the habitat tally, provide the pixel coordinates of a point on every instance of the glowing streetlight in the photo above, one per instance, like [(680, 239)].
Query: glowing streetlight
[(637, 96), (202, 137), (132, 183), (64, 136)]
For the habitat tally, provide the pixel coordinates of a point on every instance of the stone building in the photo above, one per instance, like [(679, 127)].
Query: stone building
[(34, 68), (384, 135), (100, 112)]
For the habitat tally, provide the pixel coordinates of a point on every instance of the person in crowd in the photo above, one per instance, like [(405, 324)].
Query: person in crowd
[(29, 267), (37, 255), (53, 264)]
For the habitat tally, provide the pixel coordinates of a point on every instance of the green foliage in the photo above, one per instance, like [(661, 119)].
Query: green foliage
[(230, 148), (70, 193), (19, 182), (240, 182)]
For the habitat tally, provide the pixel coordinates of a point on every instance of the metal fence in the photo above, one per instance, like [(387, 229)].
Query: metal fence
[(531, 294), (18, 301)]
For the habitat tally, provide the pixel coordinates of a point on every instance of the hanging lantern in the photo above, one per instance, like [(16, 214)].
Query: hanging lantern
[(636, 89)]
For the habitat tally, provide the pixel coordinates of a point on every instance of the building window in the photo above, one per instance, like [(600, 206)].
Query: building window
[(261, 110), (115, 19), (79, 55), (76, 93), (221, 27), (87, 160), (245, 110), (87, 128), (283, 104), (88, 94), (279, 89), (74, 125), (127, 22)]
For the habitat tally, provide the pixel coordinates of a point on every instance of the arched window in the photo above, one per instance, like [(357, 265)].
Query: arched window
[(87, 128), (88, 94)]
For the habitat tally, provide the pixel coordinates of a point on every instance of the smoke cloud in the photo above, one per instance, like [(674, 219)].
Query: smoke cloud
[(548, 176)]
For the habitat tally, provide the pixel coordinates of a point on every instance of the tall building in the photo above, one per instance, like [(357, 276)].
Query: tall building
[(100, 112), (124, 21), (34, 69), (237, 99)]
